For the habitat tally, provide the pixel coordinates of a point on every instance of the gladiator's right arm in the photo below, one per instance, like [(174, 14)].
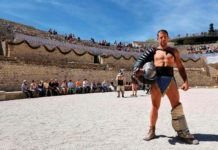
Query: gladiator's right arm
[(147, 56)]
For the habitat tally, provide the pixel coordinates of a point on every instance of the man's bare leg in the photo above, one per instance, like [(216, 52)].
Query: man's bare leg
[(122, 93), (136, 93), (173, 94), (178, 118), (118, 93), (155, 98)]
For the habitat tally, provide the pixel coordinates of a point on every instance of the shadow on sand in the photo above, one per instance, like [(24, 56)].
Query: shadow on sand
[(201, 137), (206, 137)]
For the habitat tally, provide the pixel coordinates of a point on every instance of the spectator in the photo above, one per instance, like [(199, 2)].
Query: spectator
[(56, 88), (78, 87), (99, 86), (55, 32), (104, 85), (64, 88), (93, 86), (111, 87), (71, 87), (33, 88), (41, 89), (86, 86), (51, 87), (93, 40), (25, 89), (48, 91), (50, 31)]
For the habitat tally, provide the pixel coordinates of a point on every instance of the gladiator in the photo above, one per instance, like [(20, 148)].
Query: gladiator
[(165, 58)]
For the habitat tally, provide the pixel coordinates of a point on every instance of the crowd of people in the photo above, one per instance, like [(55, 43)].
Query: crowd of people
[(203, 49), (120, 46), (53, 87)]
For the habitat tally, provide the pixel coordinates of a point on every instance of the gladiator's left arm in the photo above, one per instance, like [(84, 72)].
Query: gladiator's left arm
[(180, 66)]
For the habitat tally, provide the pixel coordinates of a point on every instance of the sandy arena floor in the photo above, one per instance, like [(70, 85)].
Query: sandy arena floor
[(101, 121)]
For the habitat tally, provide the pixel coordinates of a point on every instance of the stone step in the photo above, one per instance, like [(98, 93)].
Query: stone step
[(3, 58)]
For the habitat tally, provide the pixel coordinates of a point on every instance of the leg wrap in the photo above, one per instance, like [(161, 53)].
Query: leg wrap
[(179, 122)]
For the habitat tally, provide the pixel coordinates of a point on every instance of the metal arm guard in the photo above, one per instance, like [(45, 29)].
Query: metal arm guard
[(179, 122), (138, 74), (147, 56)]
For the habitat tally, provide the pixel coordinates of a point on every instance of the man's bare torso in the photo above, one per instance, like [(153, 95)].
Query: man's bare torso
[(164, 57), (120, 77)]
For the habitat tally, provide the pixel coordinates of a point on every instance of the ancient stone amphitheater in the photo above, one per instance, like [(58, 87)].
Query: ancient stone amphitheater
[(28, 53)]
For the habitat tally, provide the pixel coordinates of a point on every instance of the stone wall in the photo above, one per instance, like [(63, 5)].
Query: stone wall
[(196, 77), (195, 64), (199, 64), (119, 63), (13, 73), (25, 53), (198, 73)]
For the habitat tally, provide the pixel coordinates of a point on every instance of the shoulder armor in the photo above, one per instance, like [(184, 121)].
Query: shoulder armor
[(147, 56)]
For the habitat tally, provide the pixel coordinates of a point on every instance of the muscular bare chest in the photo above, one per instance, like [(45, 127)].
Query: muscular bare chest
[(163, 58)]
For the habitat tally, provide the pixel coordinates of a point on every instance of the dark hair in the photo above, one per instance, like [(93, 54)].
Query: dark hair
[(162, 30)]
